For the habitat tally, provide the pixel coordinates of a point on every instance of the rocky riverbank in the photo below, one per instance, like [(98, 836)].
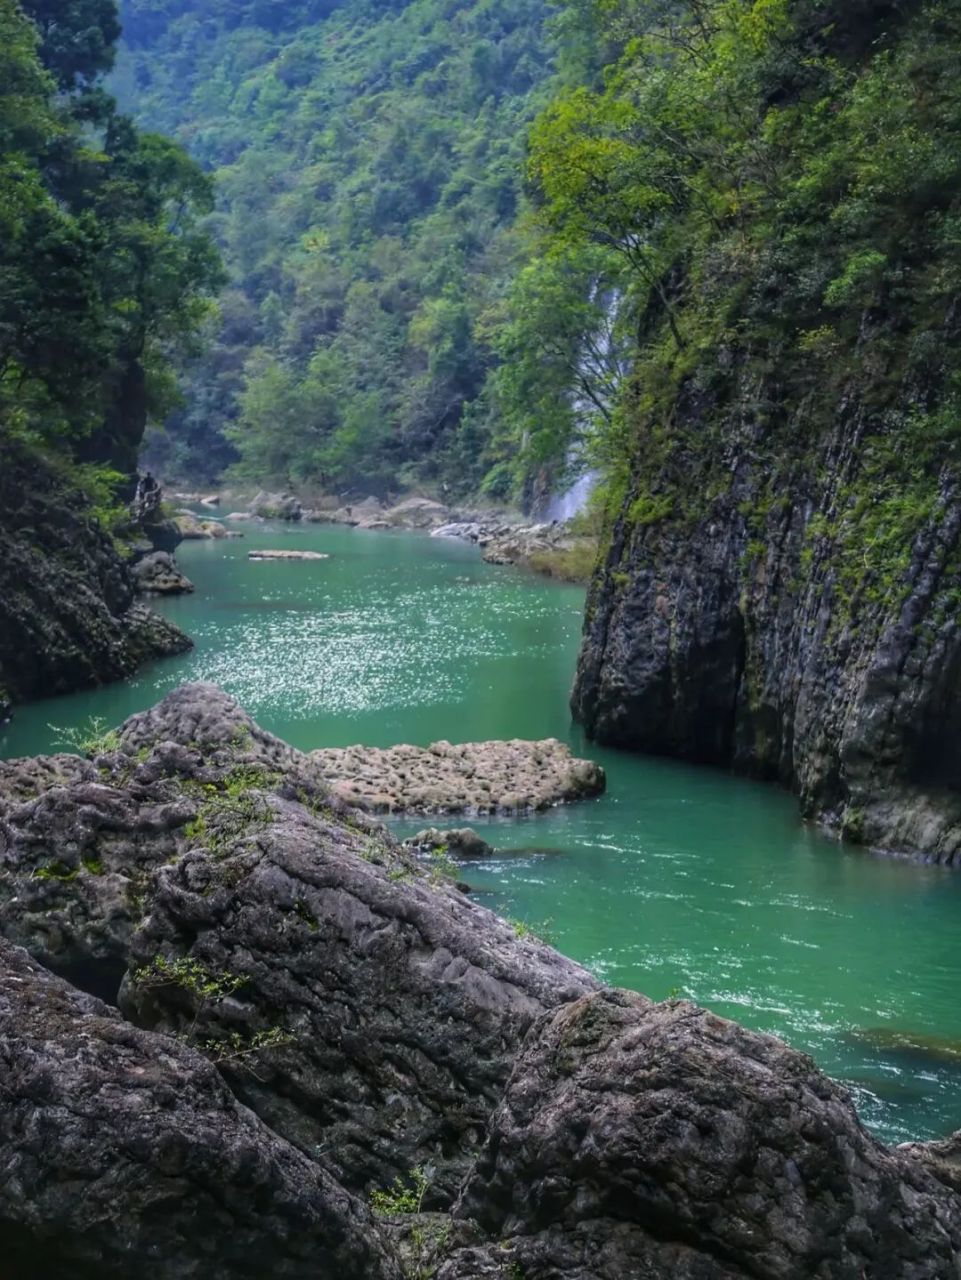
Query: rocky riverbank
[(474, 779), (563, 551), (69, 614), (265, 1011)]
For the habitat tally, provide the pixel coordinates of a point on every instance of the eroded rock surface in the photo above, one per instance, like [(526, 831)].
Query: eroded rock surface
[(475, 778), (638, 1139), (366, 1018), (124, 1153), (70, 618), (205, 838)]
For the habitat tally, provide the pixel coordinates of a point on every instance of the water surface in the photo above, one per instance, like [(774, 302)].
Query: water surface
[(680, 880)]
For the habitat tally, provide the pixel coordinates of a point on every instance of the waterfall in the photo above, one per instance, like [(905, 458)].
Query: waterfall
[(601, 364)]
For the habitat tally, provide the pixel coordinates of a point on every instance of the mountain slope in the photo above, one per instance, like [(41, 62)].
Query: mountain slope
[(369, 161)]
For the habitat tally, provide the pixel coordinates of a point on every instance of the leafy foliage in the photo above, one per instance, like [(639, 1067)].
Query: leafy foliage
[(369, 161), (781, 182), (104, 268)]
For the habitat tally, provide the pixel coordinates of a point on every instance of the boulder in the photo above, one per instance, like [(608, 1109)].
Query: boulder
[(194, 530), (417, 513), (158, 575), (124, 1153), (277, 506), (195, 836), (637, 1139)]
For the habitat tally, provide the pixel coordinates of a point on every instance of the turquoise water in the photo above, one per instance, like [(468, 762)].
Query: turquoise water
[(680, 880)]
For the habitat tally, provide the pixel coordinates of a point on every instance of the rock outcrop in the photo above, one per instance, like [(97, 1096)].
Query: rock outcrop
[(203, 839), (637, 1139), (277, 506), (157, 574), (313, 1013), (70, 619), (475, 778), (124, 1153)]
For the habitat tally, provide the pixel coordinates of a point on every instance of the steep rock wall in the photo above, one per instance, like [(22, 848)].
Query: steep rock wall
[(749, 629), (70, 618)]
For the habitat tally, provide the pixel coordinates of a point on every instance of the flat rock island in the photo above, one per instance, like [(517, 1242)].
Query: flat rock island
[(474, 778)]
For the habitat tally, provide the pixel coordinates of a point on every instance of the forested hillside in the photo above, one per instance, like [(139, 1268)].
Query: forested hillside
[(105, 274), (369, 162)]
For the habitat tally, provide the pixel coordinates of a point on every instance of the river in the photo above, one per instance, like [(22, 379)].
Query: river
[(679, 881)]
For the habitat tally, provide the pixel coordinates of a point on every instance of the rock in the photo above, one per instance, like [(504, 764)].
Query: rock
[(212, 500), (460, 842), (416, 513), (286, 555), (277, 506), (637, 1139), (477, 778), (203, 837), (124, 1153), (194, 530), (70, 619), (241, 515), (149, 517), (367, 1019), (157, 574)]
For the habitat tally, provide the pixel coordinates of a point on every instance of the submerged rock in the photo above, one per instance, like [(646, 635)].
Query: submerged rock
[(124, 1153), (286, 555), (473, 778), (460, 842)]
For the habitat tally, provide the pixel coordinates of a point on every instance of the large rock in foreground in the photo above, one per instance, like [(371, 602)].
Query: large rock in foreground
[(643, 1140), (204, 839), (123, 1153), (475, 778)]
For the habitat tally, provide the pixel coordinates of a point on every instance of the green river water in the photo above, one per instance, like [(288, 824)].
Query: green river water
[(680, 880)]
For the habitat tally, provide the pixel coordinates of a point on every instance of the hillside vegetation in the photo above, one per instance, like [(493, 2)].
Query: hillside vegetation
[(369, 163)]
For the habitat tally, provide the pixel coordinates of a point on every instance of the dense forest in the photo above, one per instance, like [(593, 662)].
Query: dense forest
[(105, 272), (369, 163)]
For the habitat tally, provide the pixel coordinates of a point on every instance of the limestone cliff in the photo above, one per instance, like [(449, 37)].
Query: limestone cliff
[(780, 593), (70, 618)]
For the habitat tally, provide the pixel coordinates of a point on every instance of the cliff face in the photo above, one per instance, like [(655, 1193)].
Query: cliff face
[(734, 637), (70, 617), (781, 589)]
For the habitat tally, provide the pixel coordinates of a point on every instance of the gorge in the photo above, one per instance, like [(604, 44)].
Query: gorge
[(687, 271)]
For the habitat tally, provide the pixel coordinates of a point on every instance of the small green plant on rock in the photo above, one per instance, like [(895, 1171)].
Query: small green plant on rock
[(403, 1196), (209, 988), (92, 738), (425, 1239)]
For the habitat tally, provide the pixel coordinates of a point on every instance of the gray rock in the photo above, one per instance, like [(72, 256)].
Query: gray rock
[(460, 842), (731, 638), (124, 1153), (205, 837), (476, 778), (157, 574), (67, 599), (277, 506), (637, 1139)]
